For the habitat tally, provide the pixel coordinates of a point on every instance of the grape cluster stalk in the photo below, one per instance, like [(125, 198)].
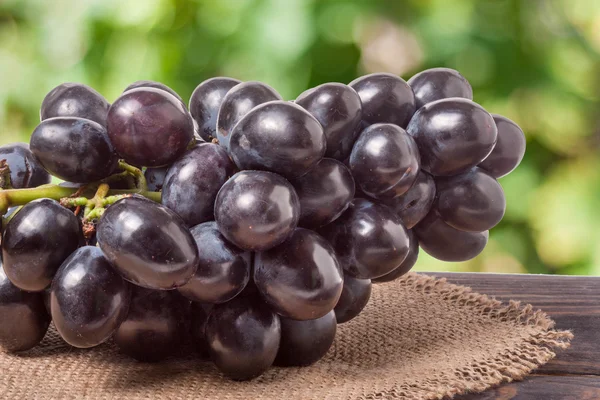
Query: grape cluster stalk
[(244, 226)]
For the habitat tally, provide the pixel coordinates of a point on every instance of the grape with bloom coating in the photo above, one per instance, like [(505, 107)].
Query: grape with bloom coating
[(205, 104), (152, 84), (75, 100), (439, 83), (509, 149)]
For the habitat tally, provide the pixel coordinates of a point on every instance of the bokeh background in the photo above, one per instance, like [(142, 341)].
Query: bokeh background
[(535, 61)]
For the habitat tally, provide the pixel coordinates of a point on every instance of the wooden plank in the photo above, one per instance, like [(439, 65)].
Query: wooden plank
[(573, 302)]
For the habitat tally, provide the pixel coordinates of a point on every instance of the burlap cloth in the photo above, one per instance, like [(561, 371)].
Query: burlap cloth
[(419, 338)]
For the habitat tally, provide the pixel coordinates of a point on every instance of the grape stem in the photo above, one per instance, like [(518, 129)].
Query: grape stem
[(5, 182), (142, 185)]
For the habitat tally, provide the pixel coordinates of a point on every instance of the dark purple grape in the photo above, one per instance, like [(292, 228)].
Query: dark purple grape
[(413, 205), (148, 244), (238, 101), (385, 98), (25, 170), (223, 270), (301, 278), (199, 317), (205, 104), (74, 149), (23, 315), (75, 100), (193, 181), (305, 342), (149, 127), (472, 202), (407, 264), (36, 241), (155, 178), (509, 149), (369, 239), (325, 192), (439, 83), (155, 85), (243, 338), (156, 327), (339, 110), (453, 135), (280, 137), (440, 240), (89, 300), (354, 299), (384, 157), (257, 210)]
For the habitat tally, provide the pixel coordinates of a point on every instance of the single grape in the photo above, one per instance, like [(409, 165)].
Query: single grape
[(89, 300), (369, 239), (303, 343), (23, 315), (509, 149), (155, 178), (413, 205), (407, 264), (472, 202), (280, 137), (199, 317), (301, 278), (36, 241), (156, 327), (439, 83), (155, 85), (74, 149), (243, 338), (257, 210), (384, 157), (385, 98), (339, 110), (205, 104), (149, 127), (193, 181), (453, 135), (325, 192), (223, 270), (25, 170), (75, 100), (238, 101), (354, 298), (440, 240), (148, 244)]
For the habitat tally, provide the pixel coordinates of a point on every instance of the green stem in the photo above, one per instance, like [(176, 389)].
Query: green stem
[(142, 185), (5, 182)]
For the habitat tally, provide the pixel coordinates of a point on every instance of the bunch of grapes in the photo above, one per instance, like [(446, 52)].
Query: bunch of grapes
[(246, 225)]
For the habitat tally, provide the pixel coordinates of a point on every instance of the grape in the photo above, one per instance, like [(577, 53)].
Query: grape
[(386, 98), (36, 241), (305, 342), (446, 243), (223, 270), (155, 178), (439, 83), (354, 299), (205, 104), (238, 102), (149, 127), (155, 85), (472, 202), (407, 264), (301, 278), (280, 137), (453, 135), (384, 157), (75, 100), (193, 181), (369, 239), (148, 244), (509, 149), (243, 337), (74, 149), (25, 170), (325, 192), (89, 300), (257, 210), (339, 110), (156, 327), (199, 317), (23, 315)]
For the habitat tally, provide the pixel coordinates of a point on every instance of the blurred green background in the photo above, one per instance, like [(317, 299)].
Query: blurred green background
[(537, 62)]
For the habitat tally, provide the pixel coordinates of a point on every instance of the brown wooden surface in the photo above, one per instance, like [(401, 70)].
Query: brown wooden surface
[(574, 303)]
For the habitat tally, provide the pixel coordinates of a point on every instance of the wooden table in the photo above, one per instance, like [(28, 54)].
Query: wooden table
[(574, 303)]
